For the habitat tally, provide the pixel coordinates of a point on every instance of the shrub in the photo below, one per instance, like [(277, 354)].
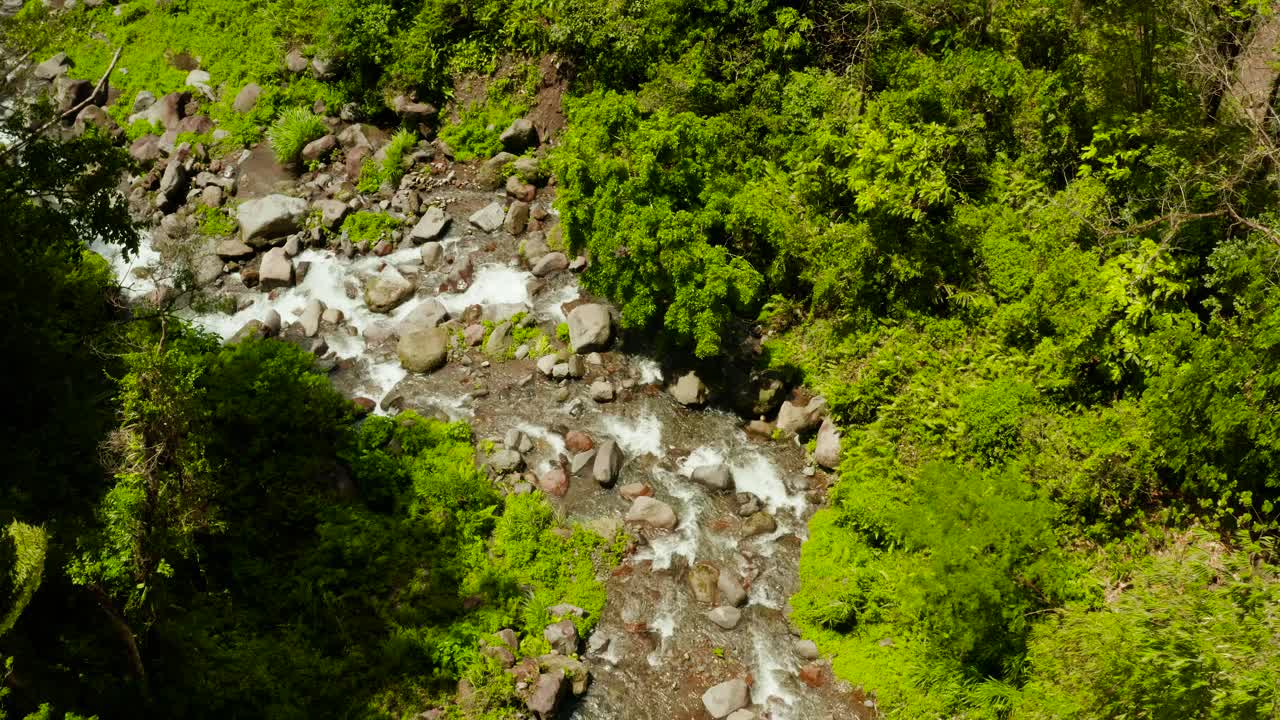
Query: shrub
[(292, 131), (369, 227)]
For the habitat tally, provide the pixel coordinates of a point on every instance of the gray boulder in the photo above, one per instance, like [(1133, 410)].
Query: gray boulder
[(505, 461), (489, 217), (431, 226), (689, 390), (602, 391), (423, 349), (173, 184), (499, 340), (318, 148), (276, 270), (332, 213), (310, 318), (651, 512), (427, 314), (590, 328), (548, 692), (517, 217), (563, 637), (267, 218), (491, 172), (550, 263), (54, 67), (431, 253), (806, 649), (726, 616), (758, 523), (247, 99), (726, 697), (387, 290), (608, 463), (800, 419), (827, 450), (519, 136), (713, 477), (731, 591), (233, 249)]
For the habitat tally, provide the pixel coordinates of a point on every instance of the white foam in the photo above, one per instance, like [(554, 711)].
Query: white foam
[(756, 474), (551, 305), (553, 440), (636, 436), (686, 539), (664, 624), (145, 263), (700, 457), (649, 369), (771, 668), (491, 285)]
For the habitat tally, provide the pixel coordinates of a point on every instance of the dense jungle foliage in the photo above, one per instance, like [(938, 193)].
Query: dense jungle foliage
[(1027, 250)]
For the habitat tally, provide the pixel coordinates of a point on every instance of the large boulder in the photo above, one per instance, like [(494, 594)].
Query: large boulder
[(268, 218), (431, 226), (702, 580), (550, 263), (519, 136), (725, 616), (548, 692), (332, 212), (713, 477), (726, 697), (608, 463), (590, 328), (247, 98), (387, 290), (310, 318), (826, 451), (423, 349), (491, 172), (800, 419), (689, 390), (54, 67), (651, 512), (173, 184), (489, 217), (563, 637), (731, 591), (233, 249), (427, 314), (574, 670), (276, 270)]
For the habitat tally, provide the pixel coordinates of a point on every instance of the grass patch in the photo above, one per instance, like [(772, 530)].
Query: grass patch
[(369, 228), (292, 131)]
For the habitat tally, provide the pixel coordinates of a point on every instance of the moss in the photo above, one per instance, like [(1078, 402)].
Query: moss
[(369, 228), (215, 222)]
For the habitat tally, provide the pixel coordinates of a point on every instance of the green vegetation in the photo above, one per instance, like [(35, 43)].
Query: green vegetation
[(1027, 252), (369, 228), (292, 130), (373, 174), (215, 221)]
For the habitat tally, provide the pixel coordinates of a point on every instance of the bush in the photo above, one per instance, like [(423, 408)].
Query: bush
[(369, 228), (292, 130)]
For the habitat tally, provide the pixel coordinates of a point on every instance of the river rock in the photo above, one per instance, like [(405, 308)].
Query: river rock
[(743, 714), (517, 440), (578, 441), (489, 217), (431, 226), (653, 513), (332, 213), (490, 174), (713, 477), (608, 463), (310, 319), (726, 616), (173, 184), (726, 697), (554, 482), (550, 263), (502, 654), (547, 364), (517, 218), (548, 692), (247, 98), (427, 314), (573, 670), (520, 191), (590, 328), (499, 340), (145, 149), (387, 290), (270, 217), (318, 148), (731, 591), (602, 391), (505, 461), (581, 460), (276, 270), (232, 249), (519, 136), (826, 451), (431, 254), (534, 247), (563, 637), (631, 491), (689, 390), (797, 419), (702, 580), (748, 504), (54, 67), (577, 366), (759, 523), (423, 349), (805, 649)]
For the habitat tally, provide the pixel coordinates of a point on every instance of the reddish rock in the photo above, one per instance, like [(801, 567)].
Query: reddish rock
[(554, 482), (814, 675), (364, 405), (578, 441)]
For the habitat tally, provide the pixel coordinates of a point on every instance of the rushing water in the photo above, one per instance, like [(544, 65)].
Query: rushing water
[(662, 651)]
